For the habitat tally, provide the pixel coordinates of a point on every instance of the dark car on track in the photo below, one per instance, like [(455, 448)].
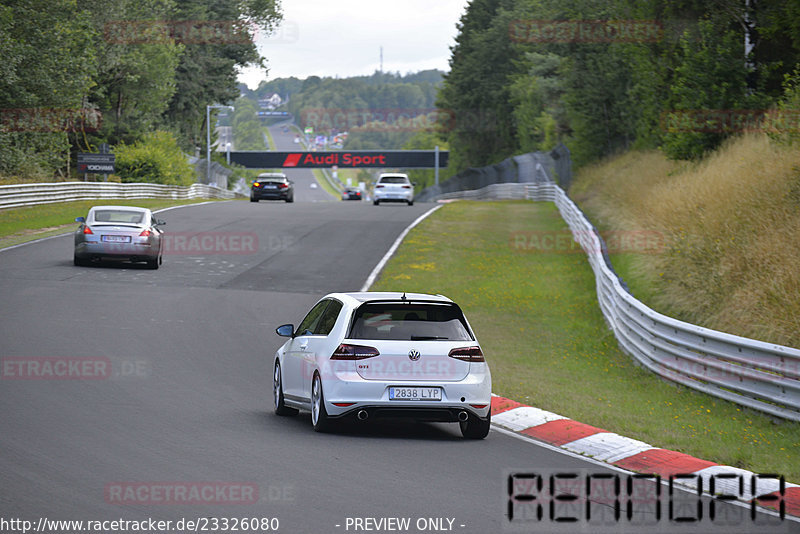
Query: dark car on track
[(272, 186), (351, 193)]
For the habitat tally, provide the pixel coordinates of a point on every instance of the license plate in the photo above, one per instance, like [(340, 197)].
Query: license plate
[(411, 393), (270, 187), (117, 238)]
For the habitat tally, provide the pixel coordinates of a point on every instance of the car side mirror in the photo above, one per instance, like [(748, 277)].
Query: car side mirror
[(159, 222), (80, 219), (285, 330)]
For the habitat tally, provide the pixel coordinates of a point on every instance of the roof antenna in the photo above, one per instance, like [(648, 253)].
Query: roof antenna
[(404, 296)]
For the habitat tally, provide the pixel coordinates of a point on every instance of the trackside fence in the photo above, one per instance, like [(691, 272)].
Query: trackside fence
[(13, 196), (756, 374)]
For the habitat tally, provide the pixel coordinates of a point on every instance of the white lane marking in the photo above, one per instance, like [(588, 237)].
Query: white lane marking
[(381, 264)]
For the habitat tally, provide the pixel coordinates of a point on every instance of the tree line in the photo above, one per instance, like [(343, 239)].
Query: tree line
[(380, 111), (78, 73), (603, 77)]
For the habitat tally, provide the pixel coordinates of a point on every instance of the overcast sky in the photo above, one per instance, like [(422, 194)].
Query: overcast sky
[(343, 38)]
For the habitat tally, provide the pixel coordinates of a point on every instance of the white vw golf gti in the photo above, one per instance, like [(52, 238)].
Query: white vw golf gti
[(372, 355)]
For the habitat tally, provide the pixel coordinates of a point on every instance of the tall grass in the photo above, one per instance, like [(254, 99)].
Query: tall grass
[(731, 232)]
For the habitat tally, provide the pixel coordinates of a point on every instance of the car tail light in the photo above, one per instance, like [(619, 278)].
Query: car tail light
[(87, 230), (283, 186), (406, 187), (145, 233), (467, 354), (256, 184), (378, 186), (354, 352)]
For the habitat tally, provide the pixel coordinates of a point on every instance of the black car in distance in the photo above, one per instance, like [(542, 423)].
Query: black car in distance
[(272, 186)]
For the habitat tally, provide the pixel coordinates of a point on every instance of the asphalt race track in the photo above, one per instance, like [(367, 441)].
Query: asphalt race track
[(187, 402)]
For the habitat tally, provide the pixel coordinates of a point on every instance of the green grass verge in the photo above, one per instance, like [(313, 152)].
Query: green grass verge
[(20, 225), (538, 320), (325, 184), (270, 140)]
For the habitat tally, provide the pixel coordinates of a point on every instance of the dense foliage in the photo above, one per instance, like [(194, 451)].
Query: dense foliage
[(77, 73), (605, 76), (154, 158), (383, 110)]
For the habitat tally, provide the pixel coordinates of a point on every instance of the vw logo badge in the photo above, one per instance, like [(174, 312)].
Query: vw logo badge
[(413, 355)]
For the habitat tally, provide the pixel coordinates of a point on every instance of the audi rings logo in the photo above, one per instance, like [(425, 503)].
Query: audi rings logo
[(413, 355)]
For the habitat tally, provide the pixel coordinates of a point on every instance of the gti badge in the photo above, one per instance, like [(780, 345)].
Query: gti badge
[(413, 355)]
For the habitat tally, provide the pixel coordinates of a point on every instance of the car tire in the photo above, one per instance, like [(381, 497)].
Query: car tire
[(277, 393), (152, 264), (475, 427), (290, 199), (410, 202), (376, 202), (253, 199), (79, 262), (319, 416)]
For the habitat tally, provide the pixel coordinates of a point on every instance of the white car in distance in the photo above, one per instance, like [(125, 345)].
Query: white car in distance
[(393, 187), (378, 355)]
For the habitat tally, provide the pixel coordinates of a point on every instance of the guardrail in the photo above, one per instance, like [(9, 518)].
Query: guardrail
[(12, 196), (756, 374)]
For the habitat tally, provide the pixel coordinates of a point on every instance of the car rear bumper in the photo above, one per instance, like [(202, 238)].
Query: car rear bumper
[(133, 251), (419, 413), (393, 196), (472, 394), (270, 195)]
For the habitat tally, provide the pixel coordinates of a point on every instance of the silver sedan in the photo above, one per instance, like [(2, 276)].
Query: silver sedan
[(119, 233)]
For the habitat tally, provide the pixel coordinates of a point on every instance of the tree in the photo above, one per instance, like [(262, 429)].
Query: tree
[(46, 72)]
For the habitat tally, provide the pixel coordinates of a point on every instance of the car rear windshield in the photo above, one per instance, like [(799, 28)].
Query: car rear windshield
[(119, 216), (403, 321), (394, 180)]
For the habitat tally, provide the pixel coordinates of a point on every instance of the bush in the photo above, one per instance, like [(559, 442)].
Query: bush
[(156, 158)]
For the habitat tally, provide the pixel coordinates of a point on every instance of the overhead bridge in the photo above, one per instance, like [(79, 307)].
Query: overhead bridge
[(419, 159)]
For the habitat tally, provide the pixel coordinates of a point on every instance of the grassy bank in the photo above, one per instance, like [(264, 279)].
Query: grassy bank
[(537, 318), (730, 229), (19, 225)]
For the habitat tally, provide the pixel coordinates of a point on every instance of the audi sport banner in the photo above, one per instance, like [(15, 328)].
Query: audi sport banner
[(421, 159)]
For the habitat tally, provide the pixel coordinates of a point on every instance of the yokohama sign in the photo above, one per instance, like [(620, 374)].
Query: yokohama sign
[(424, 159)]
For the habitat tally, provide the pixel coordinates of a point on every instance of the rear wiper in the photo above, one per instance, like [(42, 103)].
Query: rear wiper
[(427, 338)]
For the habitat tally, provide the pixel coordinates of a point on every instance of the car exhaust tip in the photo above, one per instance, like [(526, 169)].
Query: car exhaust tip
[(463, 416), (362, 415)]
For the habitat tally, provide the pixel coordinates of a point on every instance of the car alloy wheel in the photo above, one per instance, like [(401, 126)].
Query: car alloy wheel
[(475, 427), (319, 417), (277, 393)]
